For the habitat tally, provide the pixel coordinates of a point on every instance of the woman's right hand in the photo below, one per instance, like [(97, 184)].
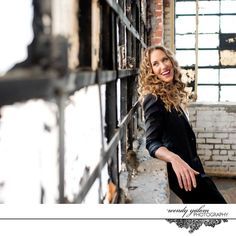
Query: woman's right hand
[(184, 173)]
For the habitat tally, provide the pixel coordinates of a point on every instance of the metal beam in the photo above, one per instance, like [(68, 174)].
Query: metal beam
[(125, 20)]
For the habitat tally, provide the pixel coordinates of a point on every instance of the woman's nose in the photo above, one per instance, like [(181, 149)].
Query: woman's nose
[(162, 65)]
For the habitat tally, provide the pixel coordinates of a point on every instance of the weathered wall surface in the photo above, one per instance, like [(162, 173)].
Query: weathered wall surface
[(215, 129), (156, 22), (161, 23)]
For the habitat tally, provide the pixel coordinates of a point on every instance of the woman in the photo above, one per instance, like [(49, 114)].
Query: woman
[(169, 135)]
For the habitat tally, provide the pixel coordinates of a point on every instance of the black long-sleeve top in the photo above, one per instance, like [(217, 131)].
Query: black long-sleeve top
[(171, 130)]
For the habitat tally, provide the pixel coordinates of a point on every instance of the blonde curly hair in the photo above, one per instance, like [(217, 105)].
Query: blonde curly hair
[(172, 94)]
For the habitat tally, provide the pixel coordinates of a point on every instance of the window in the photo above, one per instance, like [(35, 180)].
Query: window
[(214, 46)]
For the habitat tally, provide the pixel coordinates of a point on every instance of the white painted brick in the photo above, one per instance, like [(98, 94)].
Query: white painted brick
[(204, 157), (231, 152), (224, 152), (216, 152), (201, 140), (226, 141), (205, 146), (232, 168), (212, 163), (222, 146), (205, 135), (201, 152), (215, 169), (216, 135), (229, 163), (205, 124), (232, 158), (233, 124), (208, 152), (232, 136), (221, 135), (220, 158), (205, 115), (213, 140), (198, 129)]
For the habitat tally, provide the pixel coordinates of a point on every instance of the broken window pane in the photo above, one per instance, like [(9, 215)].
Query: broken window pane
[(227, 58), (208, 76), (207, 93), (227, 41), (228, 76)]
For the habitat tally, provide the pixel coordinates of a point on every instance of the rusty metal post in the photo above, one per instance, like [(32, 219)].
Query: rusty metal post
[(108, 62)]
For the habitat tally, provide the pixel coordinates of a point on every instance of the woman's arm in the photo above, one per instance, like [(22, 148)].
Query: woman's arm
[(154, 113), (185, 174)]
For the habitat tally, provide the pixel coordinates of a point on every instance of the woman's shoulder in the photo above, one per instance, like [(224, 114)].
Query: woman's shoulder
[(151, 99)]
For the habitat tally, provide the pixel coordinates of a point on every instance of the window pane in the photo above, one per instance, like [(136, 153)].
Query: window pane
[(227, 24), (207, 93), (208, 58), (185, 41), (227, 41), (228, 76), (209, 24), (208, 40), (185, 24), (228, 6), (208, 76), (185, 7), (228, 58), (185, 58), (228, 93), (208, 7)]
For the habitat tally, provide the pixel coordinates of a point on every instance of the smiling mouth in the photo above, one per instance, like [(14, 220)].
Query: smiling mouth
[(166, 73)]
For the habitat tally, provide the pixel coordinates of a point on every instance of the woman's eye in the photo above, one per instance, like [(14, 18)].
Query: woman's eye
[(165, 59)]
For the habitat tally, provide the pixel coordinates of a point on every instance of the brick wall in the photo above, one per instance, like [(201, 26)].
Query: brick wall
[(215, 129), (156, 22), (161, 23)]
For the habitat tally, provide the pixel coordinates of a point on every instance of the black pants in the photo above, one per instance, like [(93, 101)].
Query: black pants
[(205, 192)]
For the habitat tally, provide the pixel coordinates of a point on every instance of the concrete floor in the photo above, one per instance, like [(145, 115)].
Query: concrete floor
[(227, 187), (151, 183)]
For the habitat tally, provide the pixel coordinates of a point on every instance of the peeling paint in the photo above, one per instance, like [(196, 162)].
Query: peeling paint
[(188, 75), (228, 58)]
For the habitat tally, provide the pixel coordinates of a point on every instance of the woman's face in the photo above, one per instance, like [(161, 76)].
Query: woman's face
[(162, 65)]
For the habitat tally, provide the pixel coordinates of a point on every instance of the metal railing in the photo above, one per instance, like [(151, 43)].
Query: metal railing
[(133, 35)]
